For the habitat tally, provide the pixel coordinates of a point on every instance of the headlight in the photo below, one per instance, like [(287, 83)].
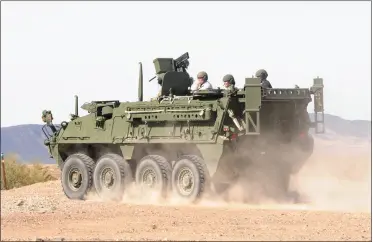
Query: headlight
[(64, 124)]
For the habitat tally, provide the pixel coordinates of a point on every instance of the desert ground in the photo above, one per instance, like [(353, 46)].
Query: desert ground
[(336, 181)]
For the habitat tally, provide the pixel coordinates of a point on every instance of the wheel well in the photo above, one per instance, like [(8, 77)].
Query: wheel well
[(95, 151), (170, 151)]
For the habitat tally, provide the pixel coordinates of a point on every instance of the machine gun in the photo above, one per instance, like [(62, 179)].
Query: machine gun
[(182, 62)]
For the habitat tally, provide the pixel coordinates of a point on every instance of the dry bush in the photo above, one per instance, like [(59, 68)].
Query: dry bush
[(18, 175)]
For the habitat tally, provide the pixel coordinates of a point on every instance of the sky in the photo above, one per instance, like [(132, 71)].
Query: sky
[(51, 51)]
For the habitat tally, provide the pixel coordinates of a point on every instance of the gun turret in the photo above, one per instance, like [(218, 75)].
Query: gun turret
[(164, 65)]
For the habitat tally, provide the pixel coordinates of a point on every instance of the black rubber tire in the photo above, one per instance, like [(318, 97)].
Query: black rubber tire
[(122, 173), (86, 166), (207, 177), (200, 175), (162, 169)]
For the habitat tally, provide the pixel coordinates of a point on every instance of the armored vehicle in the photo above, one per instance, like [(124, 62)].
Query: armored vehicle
[(184, 143)]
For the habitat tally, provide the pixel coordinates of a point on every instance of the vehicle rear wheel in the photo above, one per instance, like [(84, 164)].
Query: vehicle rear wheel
[(111, 176), (153, 174), (190, 178), (76, 176)]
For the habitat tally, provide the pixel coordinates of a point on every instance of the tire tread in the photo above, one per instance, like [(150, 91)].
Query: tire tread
[(164, 166), (202, 170), (89, 164)]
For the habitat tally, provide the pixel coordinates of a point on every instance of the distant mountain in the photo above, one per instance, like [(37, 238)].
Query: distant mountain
[(28, 140), (343, 127)]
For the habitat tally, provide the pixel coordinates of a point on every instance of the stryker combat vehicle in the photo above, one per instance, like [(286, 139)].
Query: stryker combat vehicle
[(184, 143)]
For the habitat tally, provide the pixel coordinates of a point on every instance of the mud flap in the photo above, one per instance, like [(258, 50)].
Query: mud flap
[(210, 154), (56, 155)]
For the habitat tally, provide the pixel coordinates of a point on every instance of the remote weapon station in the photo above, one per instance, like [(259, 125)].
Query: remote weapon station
[(185, 143)]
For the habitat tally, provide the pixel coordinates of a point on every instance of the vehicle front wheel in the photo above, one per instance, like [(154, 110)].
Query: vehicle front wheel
[(76, 176)]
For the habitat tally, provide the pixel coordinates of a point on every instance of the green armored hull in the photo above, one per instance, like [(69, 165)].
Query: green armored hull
[(184, 143)]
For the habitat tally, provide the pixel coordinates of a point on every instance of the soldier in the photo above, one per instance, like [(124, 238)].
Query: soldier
[(262, 74), (159, 79), (201, 83), (229, 83)]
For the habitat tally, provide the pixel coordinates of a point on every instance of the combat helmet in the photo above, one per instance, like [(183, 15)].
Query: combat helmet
[(229, 78), (202, 74), (261, 74)]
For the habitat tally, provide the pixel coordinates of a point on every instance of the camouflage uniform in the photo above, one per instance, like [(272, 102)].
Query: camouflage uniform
[(229, 79), (262, 74), (205, 85)]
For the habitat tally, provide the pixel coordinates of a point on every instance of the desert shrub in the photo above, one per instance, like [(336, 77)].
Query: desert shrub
[(18, 175)]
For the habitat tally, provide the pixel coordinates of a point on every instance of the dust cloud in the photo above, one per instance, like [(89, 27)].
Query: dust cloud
[(337, 177), (338, 180)]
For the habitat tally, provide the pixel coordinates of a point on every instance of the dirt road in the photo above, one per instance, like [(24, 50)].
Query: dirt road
[(339, 190), (42, 211)]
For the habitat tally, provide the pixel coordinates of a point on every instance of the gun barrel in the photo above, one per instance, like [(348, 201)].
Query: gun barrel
[(152, 78)]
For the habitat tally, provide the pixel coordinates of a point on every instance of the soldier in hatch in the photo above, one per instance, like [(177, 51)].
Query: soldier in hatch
[(201, 83), (229, 83), (159, 79), (262, 74)]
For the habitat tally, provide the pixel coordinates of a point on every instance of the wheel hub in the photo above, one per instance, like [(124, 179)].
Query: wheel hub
[(149, 178), (75, 179), (185, 181), (108, 177)]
